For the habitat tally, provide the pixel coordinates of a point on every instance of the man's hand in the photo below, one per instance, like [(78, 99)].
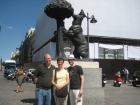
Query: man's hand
[(35, 80), (80, 93)]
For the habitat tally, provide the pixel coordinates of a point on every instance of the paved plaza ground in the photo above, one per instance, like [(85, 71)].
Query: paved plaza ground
[(124, 95)]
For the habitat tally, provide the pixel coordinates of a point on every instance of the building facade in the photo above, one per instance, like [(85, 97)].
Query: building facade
[(24, 53), (116, 35)]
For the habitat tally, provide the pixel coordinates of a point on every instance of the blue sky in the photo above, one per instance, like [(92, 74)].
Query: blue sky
[(16, 18)]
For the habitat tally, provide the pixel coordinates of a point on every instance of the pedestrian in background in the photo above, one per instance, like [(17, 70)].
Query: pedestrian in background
[(76, 82), (19, 78), (126, 74), (59, 80), (119, 73), (43, 80), (122, 76)]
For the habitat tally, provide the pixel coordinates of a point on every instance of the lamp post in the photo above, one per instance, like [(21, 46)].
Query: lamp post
[(1, 63), (93, 20)]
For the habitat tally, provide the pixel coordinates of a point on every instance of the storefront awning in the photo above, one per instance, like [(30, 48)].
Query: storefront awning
[(109, 46)]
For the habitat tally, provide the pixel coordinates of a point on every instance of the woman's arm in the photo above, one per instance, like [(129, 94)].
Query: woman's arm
[(53, 78), (23, 73), (17, 72), (58, 86), (53, 82)]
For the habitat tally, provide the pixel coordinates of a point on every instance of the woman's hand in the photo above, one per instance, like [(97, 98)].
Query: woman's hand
[(17, 73), (58, 87)]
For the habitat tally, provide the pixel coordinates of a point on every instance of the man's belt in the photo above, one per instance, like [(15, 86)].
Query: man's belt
[(43, 88)]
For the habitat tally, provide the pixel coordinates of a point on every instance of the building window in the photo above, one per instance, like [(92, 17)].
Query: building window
[(109, 52)]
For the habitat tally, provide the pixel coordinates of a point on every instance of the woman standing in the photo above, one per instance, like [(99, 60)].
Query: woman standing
[(61, 80), (19, 77)]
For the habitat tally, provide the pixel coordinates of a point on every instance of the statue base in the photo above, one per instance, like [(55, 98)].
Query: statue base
[(93, 91)]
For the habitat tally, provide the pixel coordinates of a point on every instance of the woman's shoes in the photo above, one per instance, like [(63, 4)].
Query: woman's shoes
[(22, 90), (17, 91)]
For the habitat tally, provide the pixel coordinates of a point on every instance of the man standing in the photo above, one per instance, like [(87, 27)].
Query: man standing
[(126, 74), (76, 82), (122, 76), (43, 80)]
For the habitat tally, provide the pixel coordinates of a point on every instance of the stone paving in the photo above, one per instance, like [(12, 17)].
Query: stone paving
[(8, 96), (124, 95)]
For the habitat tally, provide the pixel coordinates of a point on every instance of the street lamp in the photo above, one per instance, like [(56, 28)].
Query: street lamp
[(93, 20), (1, 63)]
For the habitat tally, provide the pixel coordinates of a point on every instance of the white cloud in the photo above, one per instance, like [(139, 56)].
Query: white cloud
[(10, 27)]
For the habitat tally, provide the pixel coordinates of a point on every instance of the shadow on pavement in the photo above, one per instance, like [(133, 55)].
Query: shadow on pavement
[(136, 86), (130, 85), (30, 100)]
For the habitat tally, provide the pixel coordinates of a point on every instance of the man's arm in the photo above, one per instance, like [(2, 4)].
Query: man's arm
[(35, 79), (36, 74), (82, 85)]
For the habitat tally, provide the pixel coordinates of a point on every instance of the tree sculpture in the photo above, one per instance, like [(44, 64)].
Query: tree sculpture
[(59, 9)]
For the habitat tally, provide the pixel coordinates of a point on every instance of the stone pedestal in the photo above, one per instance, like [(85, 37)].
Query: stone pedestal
[(84, 64), (93, 90)]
